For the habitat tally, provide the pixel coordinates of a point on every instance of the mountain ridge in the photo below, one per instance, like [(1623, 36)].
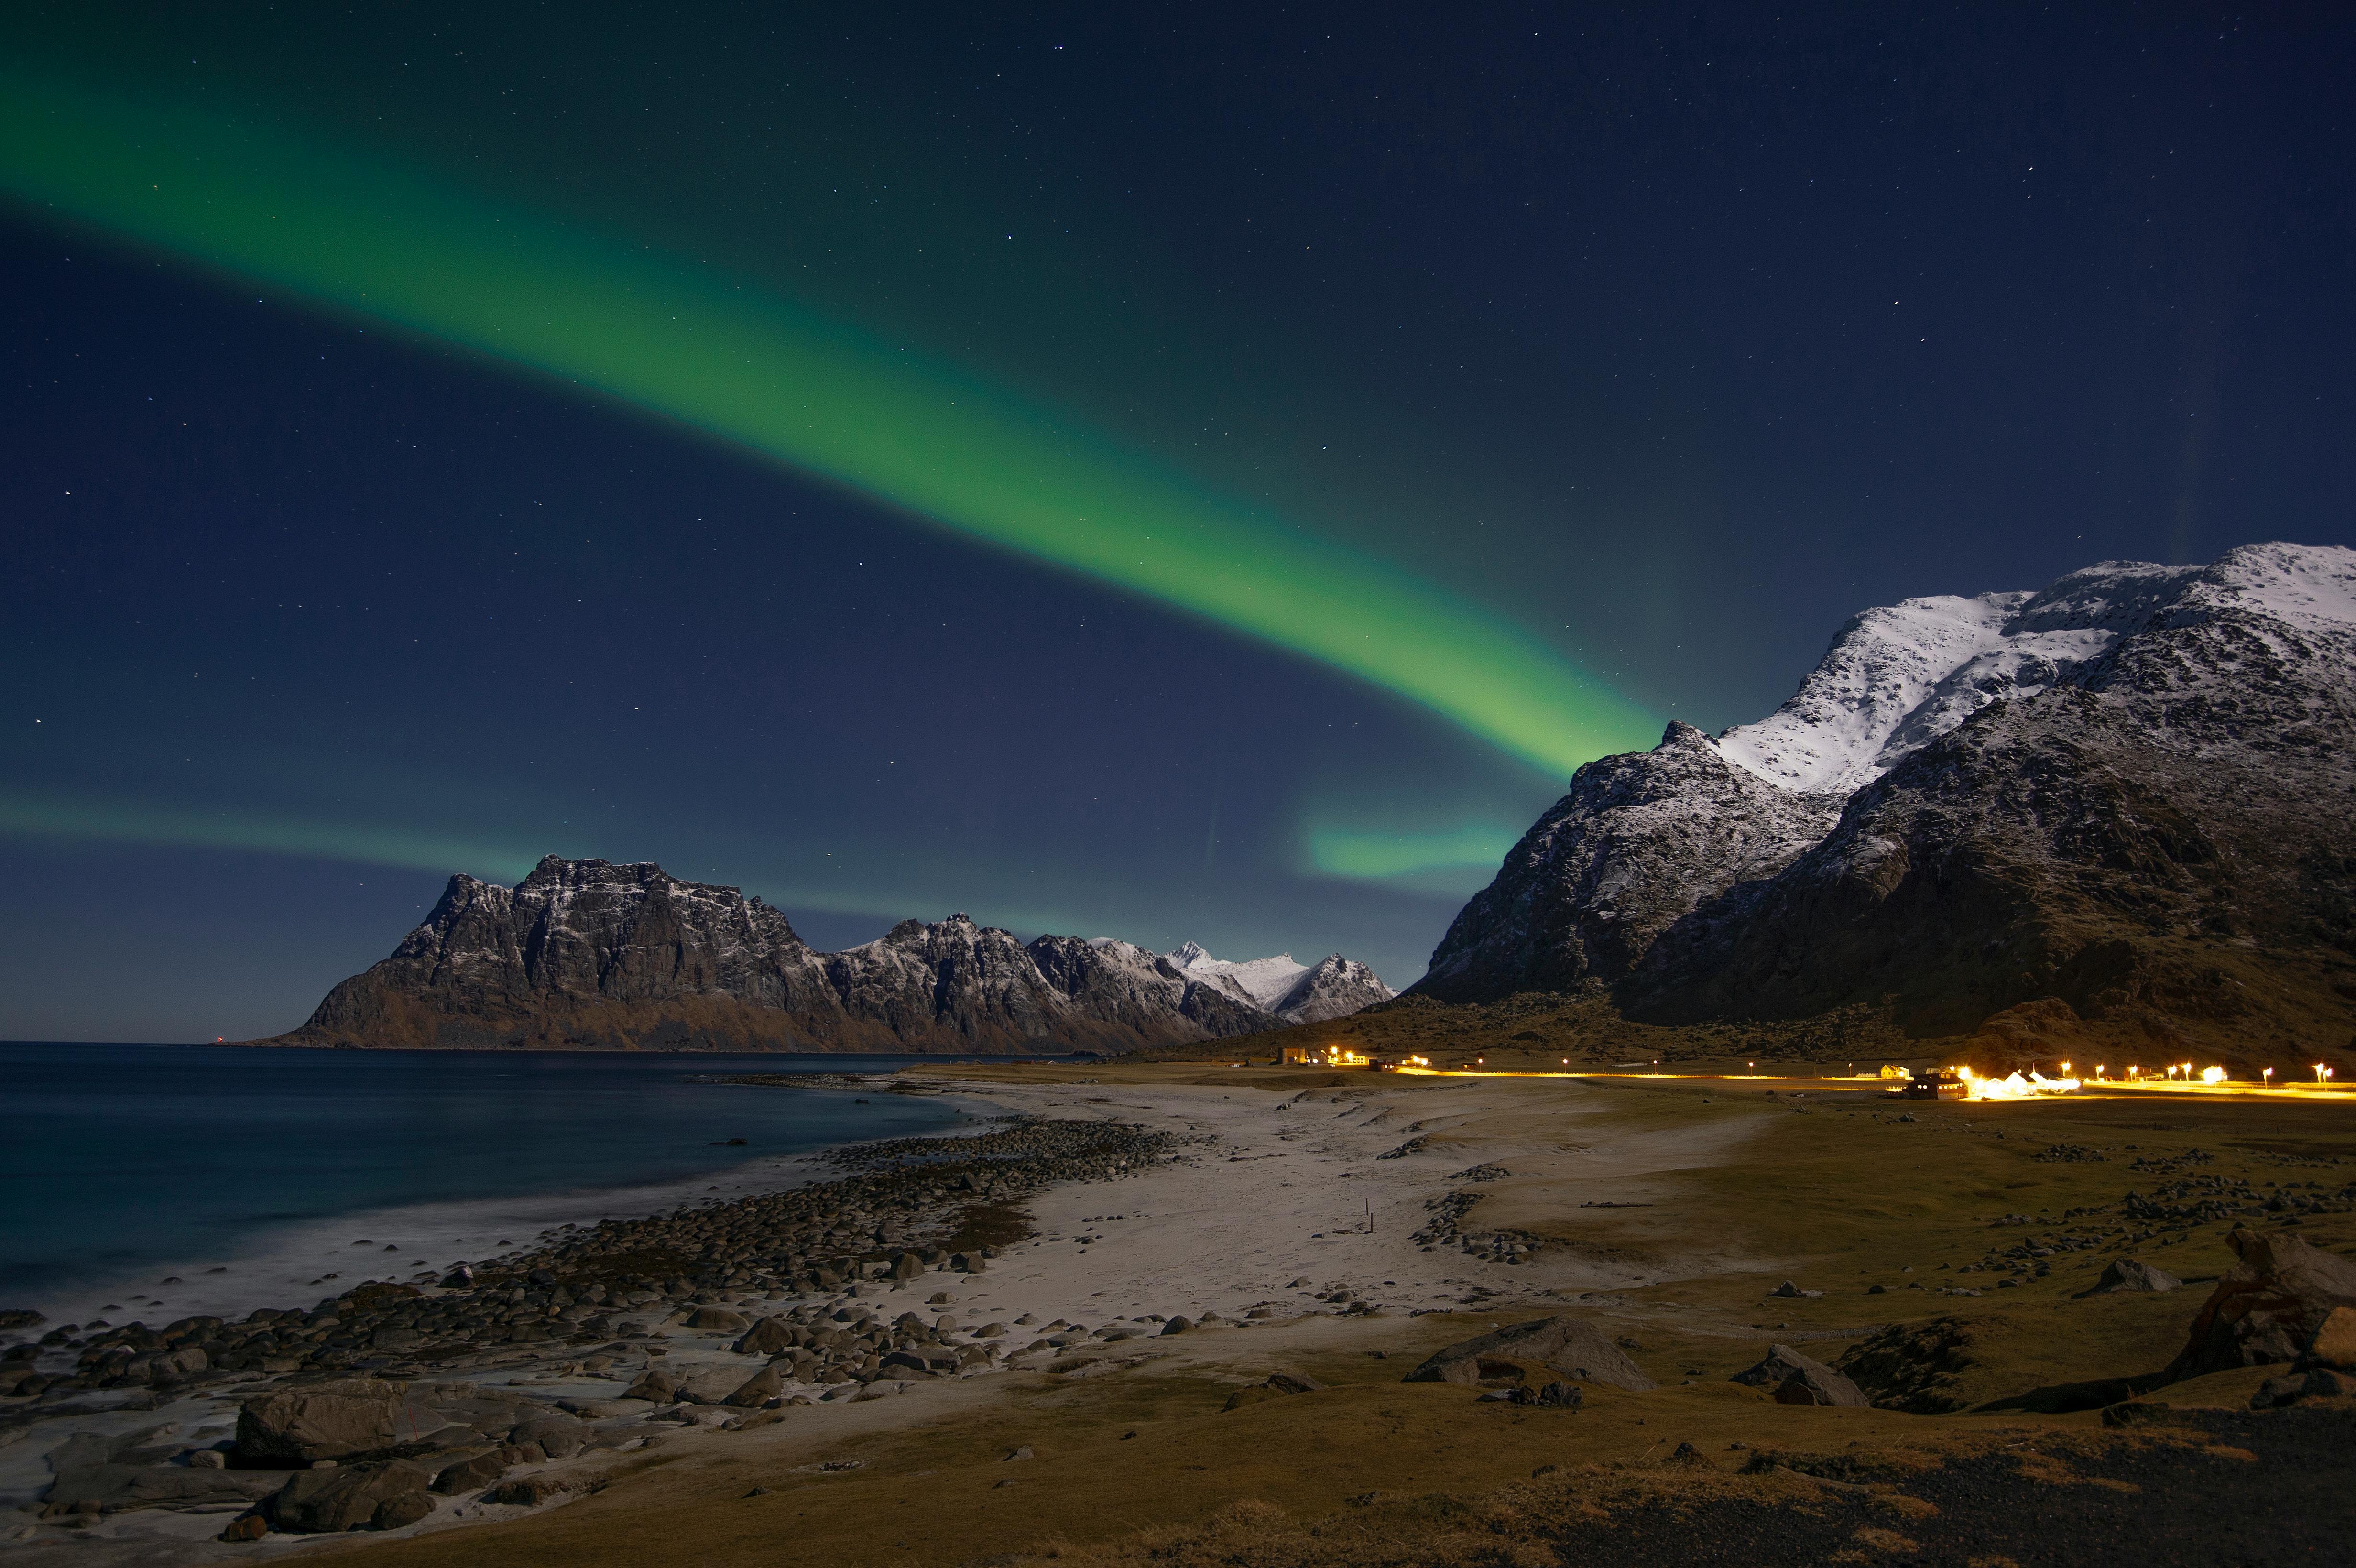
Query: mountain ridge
[(595, 954)]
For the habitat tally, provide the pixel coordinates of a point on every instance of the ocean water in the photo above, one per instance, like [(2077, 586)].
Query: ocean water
[(138, 1180)]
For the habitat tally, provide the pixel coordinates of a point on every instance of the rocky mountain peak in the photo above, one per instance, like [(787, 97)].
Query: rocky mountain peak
[(584, 954), (2129, 792)]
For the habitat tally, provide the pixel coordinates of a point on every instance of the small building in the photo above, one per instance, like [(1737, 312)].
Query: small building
[(1324, 1056)]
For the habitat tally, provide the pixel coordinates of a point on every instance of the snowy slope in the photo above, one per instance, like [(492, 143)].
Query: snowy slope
[(1900, 677), (1262, 982)]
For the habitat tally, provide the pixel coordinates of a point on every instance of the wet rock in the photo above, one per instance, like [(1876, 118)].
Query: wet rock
[(324, 1421), (1793, 1378), (2270, 1308), (1569, 1345)]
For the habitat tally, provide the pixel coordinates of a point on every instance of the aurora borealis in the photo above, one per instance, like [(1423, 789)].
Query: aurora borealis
[(680, 342), (1169, 475)]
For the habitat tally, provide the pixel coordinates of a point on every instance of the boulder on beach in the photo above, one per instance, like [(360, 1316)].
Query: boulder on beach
[(718, 1317), (320, 1502), (655, 1384), (471, 1473), (766, 1338), (756, 1391), (324, 1421), (2271, 1306), (1793, 1378), (113, 1475), (710, 1386), (559, 1436), (1571, 1346), (2133, 1274)]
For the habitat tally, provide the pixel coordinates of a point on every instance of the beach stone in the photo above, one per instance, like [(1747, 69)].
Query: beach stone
[(1178, 1324), (711, 1387), (1793, 1378), (656, 1384), (395, 1513), (324, 1421), (471, 1474), (175, 1366), (718, 1317), (528, 1491), (1568, 1345), (2133, 1274), (2271, 1306), (766, 1337), (757, 1389), (113, 1487), (559, 1436), (907, 1265), (319, 1502), (250, 1527)]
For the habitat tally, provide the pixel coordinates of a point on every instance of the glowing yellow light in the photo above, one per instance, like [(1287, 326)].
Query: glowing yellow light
[(2213, 1075)]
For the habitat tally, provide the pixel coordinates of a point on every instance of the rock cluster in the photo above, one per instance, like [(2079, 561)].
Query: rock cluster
[(360, 1434), (587, 954)]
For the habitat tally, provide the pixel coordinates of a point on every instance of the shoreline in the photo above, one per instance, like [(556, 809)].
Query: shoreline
[(189, 1225), (1246, 1217)]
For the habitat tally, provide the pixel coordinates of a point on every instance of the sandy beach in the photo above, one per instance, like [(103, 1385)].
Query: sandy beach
[(1327, 1226)]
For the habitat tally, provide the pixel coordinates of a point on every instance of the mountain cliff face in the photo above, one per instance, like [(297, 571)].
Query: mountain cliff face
[(590, 955), (2125, 800)]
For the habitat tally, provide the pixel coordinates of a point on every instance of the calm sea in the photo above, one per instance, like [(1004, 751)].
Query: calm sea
[(144, 1179)]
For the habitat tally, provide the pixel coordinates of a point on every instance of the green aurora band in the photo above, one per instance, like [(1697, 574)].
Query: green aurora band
[(723, 357)]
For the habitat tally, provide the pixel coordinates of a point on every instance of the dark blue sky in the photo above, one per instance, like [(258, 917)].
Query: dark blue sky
[(1668, 340)]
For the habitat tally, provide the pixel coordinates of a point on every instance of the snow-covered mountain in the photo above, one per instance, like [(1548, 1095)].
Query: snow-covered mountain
[(1973, 803), (589, 953), (1333, 988)]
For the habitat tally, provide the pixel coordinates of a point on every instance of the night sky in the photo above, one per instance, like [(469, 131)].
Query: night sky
[(1156, 472)]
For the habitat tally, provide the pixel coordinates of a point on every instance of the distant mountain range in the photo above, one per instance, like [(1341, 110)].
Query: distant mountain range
[(585, 955), (2123, 808)]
